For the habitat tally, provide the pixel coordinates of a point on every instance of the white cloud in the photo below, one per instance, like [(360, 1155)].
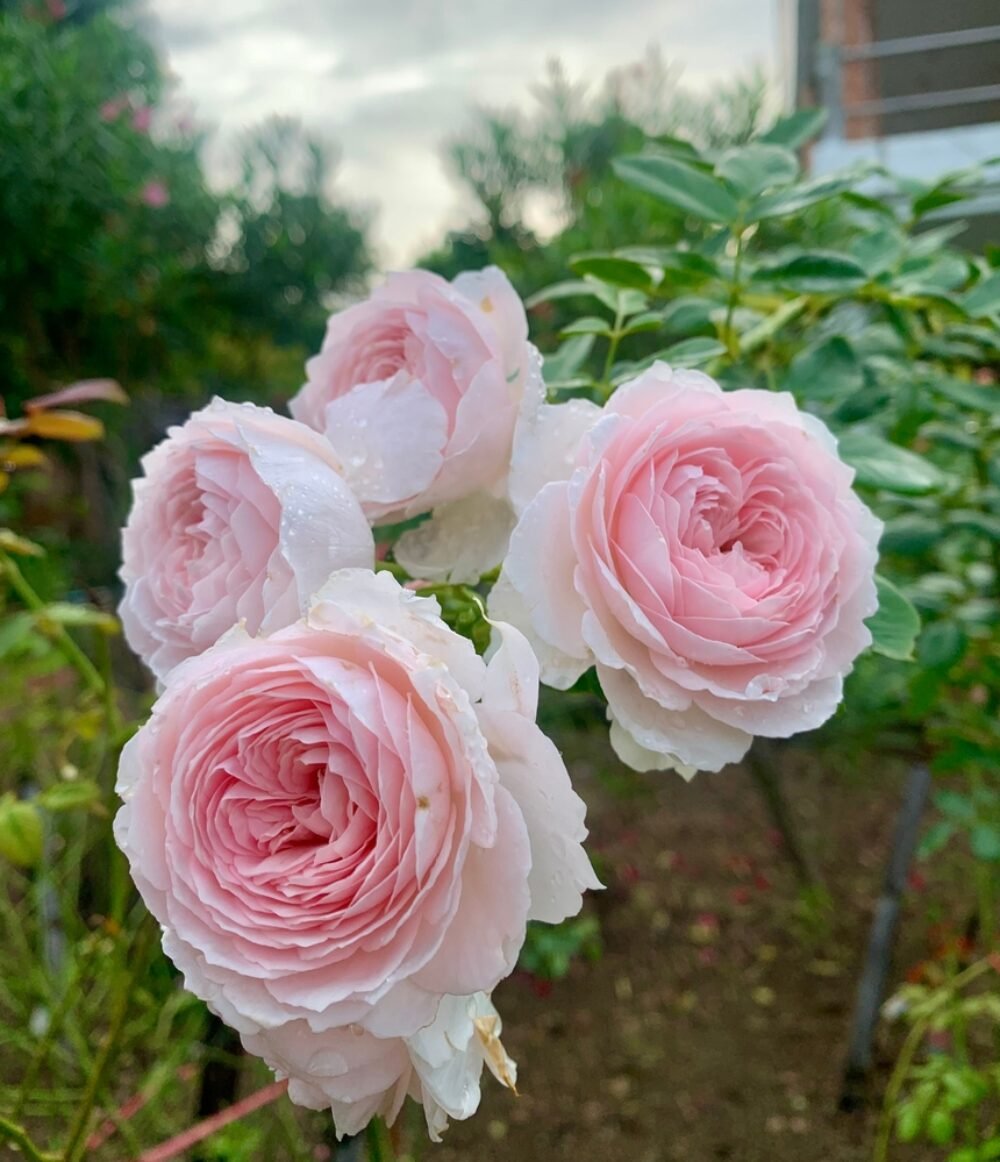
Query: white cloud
[(389, 80)]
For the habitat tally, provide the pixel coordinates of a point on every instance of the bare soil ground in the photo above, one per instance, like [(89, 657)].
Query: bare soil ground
[(715, 1024)]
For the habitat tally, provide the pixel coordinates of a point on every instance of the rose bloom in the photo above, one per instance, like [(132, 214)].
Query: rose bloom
[(705, 549), (240, 515), (342, 823), (155, 194), (358, 1076), (419, 389)]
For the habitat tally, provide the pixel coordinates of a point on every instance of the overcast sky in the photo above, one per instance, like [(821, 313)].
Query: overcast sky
[(389, 80)]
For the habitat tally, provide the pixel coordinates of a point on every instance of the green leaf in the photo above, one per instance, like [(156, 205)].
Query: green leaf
[(570, 357), (817, 272), (678, 185), (955, 805), (910, 536), (985, 523), (798, 197), (70, 795), (693, 352), (829, 371), (796, 128), (936, 198), (984, 298), (624, 301), (940, 1127), (15, 631), (21, 833), (941, 645), (688, 315), (688, 264), (677, 145), (638, 324), (894, 627), (569, 289), (589, 325), (935, 838), (611, 269), (756, 167), (878, 250), (879, 464), (764, 331), (985, 842), (971, 395)]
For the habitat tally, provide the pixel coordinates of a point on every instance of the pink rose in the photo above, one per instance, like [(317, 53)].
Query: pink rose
[(350, 819), (358, 1076), (155, 195), (142, 119), (241, 516), (112, 109), (419, 389), (705, 549)]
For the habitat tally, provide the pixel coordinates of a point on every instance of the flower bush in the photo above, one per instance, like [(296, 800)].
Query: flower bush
[(341, 812)]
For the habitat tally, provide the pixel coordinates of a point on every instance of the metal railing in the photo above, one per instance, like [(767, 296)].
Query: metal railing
[(831, 59)]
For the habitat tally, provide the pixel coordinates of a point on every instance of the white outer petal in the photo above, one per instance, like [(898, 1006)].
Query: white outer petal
[(390, 437), (540, 565), (689, 738), (546, 446), (532, 770), (557, 669), (448, 1058), (378, 599), (461, 541), (511, 672)]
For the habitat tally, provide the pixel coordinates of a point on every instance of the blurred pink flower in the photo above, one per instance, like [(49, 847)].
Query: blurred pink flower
[(155, 194), (112, 109), (142, 118), (56, 9)]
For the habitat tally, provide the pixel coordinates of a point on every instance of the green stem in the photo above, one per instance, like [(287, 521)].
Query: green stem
[(41, 1053), (730, 338), (892, 1090), (907, 1053), (70, 650), (15, 1134), (77, 1141), (379, 1143), (613, 340)]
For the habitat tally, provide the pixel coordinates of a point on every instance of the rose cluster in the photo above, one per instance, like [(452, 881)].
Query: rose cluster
[(341, 814)]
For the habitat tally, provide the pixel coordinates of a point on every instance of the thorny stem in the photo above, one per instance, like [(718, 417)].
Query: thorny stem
[(70, 650)]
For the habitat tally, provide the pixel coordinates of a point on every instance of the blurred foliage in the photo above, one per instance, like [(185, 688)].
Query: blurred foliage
[(952, 1098), (558, 158), (121, 258)]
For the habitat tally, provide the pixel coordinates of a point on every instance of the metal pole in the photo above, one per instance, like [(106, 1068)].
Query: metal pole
[(871, 988)]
